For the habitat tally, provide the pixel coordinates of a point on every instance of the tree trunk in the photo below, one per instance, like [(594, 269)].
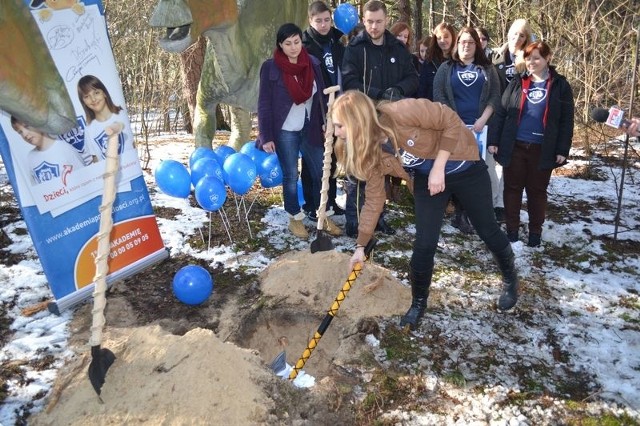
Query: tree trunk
[(417, 25), (404, 11), (468, 11), (191, 61)]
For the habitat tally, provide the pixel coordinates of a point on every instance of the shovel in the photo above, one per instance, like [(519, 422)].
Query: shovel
[(279, 364), (102, 358), (323, 241)]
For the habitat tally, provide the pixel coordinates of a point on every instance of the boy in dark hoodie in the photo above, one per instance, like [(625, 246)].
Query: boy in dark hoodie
[(323, 41)]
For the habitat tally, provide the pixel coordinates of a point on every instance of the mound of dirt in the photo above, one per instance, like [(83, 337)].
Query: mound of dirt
[(313, 280), (162, 378), (159, 378)]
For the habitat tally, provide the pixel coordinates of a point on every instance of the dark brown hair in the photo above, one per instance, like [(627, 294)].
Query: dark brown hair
[(479, 58), (85, 85), (433, 51), (317, 7)]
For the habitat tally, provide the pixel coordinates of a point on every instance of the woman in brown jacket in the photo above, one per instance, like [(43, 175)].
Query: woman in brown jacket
[(429, 142)]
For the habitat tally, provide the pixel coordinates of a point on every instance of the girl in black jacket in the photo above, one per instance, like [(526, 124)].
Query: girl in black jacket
[(441, 45), (531, 136)]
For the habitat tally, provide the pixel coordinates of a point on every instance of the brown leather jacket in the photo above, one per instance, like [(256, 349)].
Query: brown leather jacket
[(423, 128)]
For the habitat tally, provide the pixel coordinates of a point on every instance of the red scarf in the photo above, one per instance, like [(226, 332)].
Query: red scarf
[(298, 77)]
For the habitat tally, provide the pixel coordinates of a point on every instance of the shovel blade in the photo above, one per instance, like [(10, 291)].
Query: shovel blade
[(279, 363), (321, 243), (101, 360)]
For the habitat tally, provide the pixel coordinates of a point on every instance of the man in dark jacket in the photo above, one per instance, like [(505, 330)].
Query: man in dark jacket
[(376, 62), (322, 40), (379, 65)]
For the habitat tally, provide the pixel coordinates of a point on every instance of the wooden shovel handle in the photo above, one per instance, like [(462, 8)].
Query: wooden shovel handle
[(104, 232), (326, 162)]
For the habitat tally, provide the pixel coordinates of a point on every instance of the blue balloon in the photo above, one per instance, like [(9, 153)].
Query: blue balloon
[(267, 163), (205, 167), (201, 152), (210, 193), (239, 172), (273, 179), (173, 178), (270, 172), (300, 193), (259, 156), (248, 148), (269, 182), (223, 152), (345, 17), (192, 285), (256, 154)]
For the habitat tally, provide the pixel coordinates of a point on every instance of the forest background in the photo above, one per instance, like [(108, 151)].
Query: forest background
[(594, 44)]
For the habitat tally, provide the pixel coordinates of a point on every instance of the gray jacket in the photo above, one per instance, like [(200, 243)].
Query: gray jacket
[(443, 93)]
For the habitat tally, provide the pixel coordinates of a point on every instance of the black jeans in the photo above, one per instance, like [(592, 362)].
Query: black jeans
[(307, 187), (472, 188), (355, 199)]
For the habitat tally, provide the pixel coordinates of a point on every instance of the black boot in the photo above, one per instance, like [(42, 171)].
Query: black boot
[(384, 227), (506, 263), (351, 229), (461, 221), (420, 282), (465, 224), (457, 216)]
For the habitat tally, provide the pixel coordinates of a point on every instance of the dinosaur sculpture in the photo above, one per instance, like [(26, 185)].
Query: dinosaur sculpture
[(241, 35), (31, 88)]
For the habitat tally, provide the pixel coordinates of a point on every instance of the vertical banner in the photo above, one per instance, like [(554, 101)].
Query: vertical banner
[(58, 179)]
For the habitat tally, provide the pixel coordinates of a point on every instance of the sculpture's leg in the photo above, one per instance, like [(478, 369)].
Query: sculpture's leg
[(240, 127), (204, 123)]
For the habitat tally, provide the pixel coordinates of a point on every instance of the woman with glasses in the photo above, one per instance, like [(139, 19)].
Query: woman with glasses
[(469, 85)]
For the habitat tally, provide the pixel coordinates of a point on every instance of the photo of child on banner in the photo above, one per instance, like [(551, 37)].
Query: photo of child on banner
[(58, 179), (50, 157)]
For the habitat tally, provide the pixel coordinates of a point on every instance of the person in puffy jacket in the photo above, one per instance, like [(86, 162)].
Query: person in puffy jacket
[(429, 141)]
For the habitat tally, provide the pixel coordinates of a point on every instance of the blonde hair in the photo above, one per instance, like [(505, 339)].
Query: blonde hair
[(526, 29), (360, 152), (521, 23)]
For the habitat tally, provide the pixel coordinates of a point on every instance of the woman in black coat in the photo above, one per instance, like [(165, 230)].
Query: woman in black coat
[(531, 136)]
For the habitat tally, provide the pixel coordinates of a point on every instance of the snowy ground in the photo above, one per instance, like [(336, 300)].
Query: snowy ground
[(575, 287)]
